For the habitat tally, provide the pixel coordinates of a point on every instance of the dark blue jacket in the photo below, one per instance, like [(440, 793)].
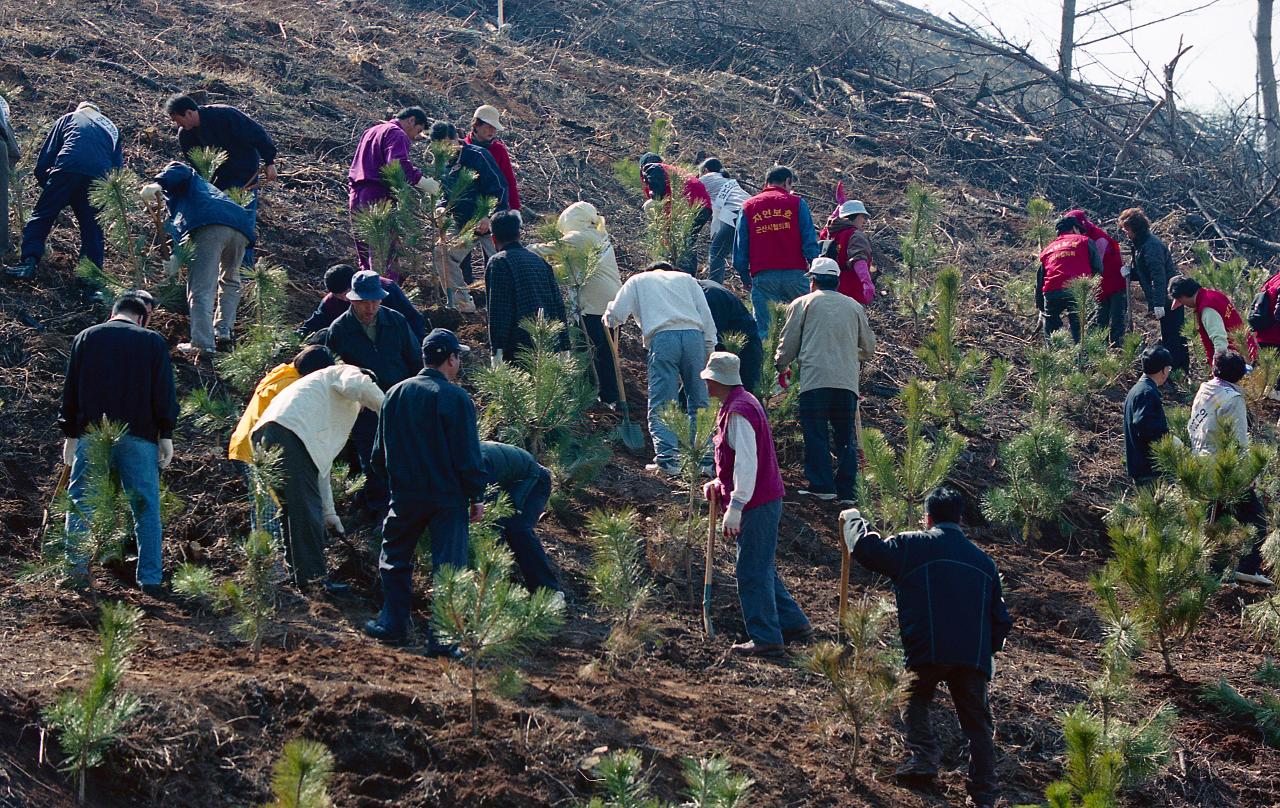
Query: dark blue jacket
[(950, 607), (331, 306), (1144, 424), (488, 182), (194, 203), (121, 371), (512, 470), (393, 359), (241, 137), (427, 447), (79, 145), (729, 313)]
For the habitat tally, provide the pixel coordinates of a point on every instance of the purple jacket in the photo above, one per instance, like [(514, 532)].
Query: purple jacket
[(378, 147)]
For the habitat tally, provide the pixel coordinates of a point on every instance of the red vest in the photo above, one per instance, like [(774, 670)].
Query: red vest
[(1270, 335), (768, 480), (695, 193), (773, 240), (1213, 299), (1065, 259), (1112, 263)]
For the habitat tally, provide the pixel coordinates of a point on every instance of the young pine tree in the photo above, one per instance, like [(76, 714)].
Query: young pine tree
[(206, 160), (709, 783), (919, 248), (88, 722), (693, 446), (300, 778), (1038, 465), (899, 482), (620, 584), (484, 612), (865, 670), (668, 228), (1040, 230)]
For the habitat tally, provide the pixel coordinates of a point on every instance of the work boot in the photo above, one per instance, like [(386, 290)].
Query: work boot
[(392, 625), (757, 649), (916, 769), (24, 271)]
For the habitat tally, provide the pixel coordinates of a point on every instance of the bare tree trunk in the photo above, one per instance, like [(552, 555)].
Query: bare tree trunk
[(1267, 84), (1066, 45), (1171, 108)]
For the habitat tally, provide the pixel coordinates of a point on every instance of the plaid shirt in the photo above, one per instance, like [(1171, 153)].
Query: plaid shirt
[(518, 283)]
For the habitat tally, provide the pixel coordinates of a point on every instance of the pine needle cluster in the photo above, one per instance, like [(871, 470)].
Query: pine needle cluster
[(206, 160), (668, 226), (693, 446), (300, 778), (709, 783), (1038, 465), (919, 250), (620, 584)]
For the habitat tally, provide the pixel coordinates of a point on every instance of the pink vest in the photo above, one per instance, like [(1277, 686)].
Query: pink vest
[(768, 480)]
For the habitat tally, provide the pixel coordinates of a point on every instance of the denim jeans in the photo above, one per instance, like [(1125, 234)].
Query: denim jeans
[(518, 532), (675, 358), (1112, 311), (767, 607), (1055, 305), (825, 413), (778, 286), (135, 462), (968, 688), (721, 249)]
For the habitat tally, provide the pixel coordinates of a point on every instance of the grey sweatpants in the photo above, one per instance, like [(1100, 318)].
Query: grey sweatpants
[(213, 282)]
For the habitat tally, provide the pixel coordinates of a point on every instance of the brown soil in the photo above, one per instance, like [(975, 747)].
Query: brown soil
[(213, 721)]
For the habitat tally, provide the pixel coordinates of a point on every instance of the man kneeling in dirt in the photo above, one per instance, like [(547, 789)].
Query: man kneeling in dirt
[(953, 619)]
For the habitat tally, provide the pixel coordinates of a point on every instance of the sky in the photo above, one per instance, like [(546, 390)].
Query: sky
[(1219, 69)]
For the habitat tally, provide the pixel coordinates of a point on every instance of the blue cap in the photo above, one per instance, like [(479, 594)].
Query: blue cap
[(441, 342), (366, 285)]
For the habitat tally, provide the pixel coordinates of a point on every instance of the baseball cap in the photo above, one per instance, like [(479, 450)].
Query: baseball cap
[(825, 266), (489, 114), (441, 342)]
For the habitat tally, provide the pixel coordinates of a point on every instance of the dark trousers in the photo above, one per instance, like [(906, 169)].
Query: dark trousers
[(518, 532), (768, 609), (1055, 305), (602, 357), (1173, 341), (372, 496), (1249, 511), (689, 263), (300, 498), (751, 362), (968, 688), (403, 527), (826, 419), (1111, 315), (63, 191), (5, 243)]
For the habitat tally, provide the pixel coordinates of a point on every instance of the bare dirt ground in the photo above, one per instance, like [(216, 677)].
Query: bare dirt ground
[(317, 74)]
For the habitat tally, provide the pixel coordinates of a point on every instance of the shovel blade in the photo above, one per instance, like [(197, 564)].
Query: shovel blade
[(631, 435)]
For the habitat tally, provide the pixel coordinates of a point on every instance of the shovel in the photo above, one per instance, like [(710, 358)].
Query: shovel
[(628, 431), (64, 477), (844, 581), (713, 524)]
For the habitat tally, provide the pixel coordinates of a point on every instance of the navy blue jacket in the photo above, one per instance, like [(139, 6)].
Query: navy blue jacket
[(194, 203), (950, 607), (488, 182), (511, 469), (331, 306), (427, 447), (1144, 424), (729, 313), (79, 145), (393, 359), (241, 137), (122, 371)]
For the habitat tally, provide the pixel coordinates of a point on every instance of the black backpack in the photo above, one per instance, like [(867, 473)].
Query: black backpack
[(1262, 312)]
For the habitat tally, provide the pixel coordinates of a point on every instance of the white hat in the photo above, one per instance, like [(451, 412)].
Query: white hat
[(489, 114), (825, 266), (852, 208), (723, 367)]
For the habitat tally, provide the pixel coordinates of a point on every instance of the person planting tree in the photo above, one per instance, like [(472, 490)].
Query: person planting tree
[(727, 197), (1216, 317), (221, 230), (1152, 266), (251, 153), (830, 336), (428, 451), (1069, 256), (83, 146), (679, 332), (486, 125), (310, 421), (519, 284), (658, 179), (462, 198), (748, 485), (844, 235), (953, 619), (527, 484), (1113, 300), (1144, 419), (380, 145), (337, 283), (774, 243), (732, 317), (120, 371)]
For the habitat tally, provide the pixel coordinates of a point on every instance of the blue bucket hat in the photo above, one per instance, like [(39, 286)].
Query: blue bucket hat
[(366, 285)]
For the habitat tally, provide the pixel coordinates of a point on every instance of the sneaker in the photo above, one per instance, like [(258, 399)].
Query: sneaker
[(755, 649), (1259, 579), (819, 495), (189, 349), (24, 271), (663, 469)]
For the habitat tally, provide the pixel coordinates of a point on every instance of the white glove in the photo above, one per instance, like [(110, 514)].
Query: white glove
[(732, 520), (332, 522), (497, 358), (1126, 270), (428, 185), (69, 450), (648, 203), (150, 191), (1177, 441), (1158, 311), (164, 452), (855, 527)]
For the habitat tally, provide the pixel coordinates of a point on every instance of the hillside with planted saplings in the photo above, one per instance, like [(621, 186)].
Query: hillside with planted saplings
[(1136, 672)]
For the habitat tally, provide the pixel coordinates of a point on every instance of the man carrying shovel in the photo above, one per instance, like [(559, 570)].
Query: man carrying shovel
[(748, 483)]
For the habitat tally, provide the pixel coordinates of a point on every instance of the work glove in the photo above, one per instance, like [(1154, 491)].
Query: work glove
[(428, 186), (648, 203), (1158, 311), (150, 192), (164, 452), (497, 358), (332, 522), (784, 378), (732, 522), (713, 487), (1126, 270), (69, 450), (855, 527)]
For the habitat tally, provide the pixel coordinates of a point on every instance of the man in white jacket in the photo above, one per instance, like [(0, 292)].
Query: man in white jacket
[(727, 197), (310, 421)]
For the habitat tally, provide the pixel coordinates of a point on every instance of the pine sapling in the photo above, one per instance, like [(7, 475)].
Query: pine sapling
[(206, 160), (669, 227), (1263, 713), (208, 411), (919, 249), (88, 722), (300, 778), (484, 612), (709, 783), (116, 198), (1040, 220), (1263, 616), (693, 444), (251, 594), (865, 670), (376, 227), (1038, 464), (712, 783), (620, 585)]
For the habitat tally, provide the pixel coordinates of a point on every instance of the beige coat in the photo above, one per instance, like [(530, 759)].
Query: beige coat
[(830, 334), (581, 226)]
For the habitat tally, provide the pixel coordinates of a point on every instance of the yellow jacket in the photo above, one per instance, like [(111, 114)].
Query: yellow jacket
[(280, 377)]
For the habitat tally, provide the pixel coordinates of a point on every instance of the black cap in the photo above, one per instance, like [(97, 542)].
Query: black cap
[(440, 343), (1068, 224)]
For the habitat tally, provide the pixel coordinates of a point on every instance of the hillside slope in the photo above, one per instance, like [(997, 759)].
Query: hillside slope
[(318, 73)]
